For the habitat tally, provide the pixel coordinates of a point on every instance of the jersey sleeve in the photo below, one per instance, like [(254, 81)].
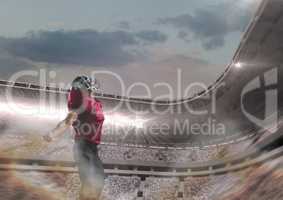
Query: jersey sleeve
[(99, 111), (74, 99)]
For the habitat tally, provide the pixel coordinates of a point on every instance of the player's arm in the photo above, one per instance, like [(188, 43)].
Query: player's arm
[(61, 127)]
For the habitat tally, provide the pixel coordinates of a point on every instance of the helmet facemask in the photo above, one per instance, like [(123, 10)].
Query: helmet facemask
[(86, 83)]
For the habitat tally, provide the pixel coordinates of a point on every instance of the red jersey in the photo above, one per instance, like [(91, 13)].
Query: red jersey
[(90, 116)]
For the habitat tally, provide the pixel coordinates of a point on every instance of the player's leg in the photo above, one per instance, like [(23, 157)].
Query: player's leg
[(82, 154), (98, 175)]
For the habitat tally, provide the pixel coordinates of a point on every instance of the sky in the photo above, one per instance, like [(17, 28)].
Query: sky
[(144, 42)]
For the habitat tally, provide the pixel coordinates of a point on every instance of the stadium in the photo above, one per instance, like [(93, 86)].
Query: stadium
[(156, 149)]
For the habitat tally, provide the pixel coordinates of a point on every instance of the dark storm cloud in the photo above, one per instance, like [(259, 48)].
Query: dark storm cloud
[(210, 25), (152, 36), (84, 47)]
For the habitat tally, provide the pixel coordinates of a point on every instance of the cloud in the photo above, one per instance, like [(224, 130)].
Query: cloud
[(214, 43), (124, 25), (152, 36), (162, 69), (82, 47), (212, 24), (11, 65), (183, 35)]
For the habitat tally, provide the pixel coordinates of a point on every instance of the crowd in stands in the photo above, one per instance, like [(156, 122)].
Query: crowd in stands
[(31, 147)]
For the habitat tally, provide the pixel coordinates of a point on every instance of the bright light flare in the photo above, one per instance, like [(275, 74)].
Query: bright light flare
[(124, 121), (239, 65), (46, 113), (28, 110)]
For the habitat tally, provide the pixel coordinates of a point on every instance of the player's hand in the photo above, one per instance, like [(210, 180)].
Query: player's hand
[(47, 138), (71, 118)]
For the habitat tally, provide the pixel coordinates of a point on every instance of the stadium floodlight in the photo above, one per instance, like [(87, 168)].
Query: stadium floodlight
[(239, 65)]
